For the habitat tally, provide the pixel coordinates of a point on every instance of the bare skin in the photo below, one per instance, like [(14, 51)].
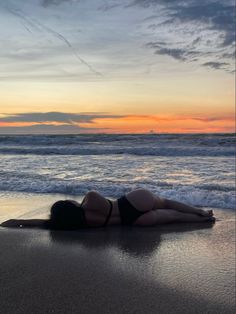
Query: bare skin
[(156, 210)]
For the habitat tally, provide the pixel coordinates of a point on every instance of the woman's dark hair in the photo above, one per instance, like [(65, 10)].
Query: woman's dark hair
[(66, 215)]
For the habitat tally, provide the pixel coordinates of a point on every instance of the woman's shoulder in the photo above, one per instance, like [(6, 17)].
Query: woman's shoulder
[(94, 200), (96, 207), (92, 193)]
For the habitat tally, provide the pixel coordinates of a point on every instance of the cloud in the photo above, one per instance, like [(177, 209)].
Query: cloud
[(47, 3), (52, 123), (49, 129), (218, 16), (194, 30), (216, 65), (176, 53), (183, 117), (229, 55), (107, 7), (58, 117), (148, 3)]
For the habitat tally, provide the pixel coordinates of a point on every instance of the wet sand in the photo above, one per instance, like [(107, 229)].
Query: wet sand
[(166, 269)]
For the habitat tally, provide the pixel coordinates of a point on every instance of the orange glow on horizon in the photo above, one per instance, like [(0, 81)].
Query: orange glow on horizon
[(144, 124), (164, 124)]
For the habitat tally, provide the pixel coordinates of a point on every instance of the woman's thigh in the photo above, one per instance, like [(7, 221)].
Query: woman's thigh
[(141, 199), (157, 217)]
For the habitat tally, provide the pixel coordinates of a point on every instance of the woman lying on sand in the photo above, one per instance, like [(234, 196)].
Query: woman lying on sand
[(139, 207)]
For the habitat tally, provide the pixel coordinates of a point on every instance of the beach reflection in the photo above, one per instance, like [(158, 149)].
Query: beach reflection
[(132, 241)]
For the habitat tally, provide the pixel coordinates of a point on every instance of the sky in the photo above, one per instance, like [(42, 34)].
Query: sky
[(117, 66)]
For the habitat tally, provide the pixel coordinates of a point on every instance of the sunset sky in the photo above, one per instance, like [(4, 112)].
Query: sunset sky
[(117, 66)]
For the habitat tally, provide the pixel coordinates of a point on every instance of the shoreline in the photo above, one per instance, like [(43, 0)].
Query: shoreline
[(37, 205)]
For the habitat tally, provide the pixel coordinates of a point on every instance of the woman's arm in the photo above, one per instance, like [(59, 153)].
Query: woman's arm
[(25, 223)]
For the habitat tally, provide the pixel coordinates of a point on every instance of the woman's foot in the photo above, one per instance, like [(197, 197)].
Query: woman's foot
[(207, 219), (206, 213), (210, 219)]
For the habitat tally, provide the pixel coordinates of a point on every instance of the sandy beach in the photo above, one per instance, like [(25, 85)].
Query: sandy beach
[(167, 269)]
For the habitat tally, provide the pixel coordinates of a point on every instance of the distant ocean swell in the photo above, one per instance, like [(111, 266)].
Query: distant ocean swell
[(197, 139), (139, 151), (139, 145)]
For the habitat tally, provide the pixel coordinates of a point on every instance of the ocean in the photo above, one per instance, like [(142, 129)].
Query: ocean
[(198, 169)]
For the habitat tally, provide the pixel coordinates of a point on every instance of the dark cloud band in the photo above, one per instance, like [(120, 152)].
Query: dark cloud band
[(60, 117)]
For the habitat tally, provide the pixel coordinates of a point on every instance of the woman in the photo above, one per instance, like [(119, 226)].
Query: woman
[(139, 208)]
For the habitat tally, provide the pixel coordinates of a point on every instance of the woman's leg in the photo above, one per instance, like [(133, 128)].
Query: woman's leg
[(145, 200), (166, 216), (184, 208)]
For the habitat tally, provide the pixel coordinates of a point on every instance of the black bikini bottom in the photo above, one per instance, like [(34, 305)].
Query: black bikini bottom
[(128, 213)]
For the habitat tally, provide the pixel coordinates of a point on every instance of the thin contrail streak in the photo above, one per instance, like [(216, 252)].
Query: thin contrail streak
[(33, 23), (66, 41), (28, 30), (19, 15)]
